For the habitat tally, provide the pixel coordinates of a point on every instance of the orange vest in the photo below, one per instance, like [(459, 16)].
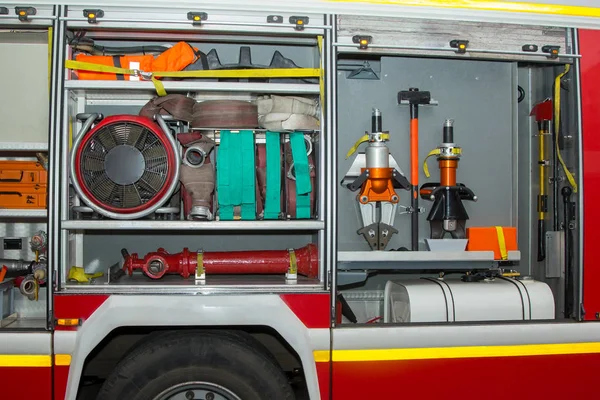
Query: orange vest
[(175, 58)]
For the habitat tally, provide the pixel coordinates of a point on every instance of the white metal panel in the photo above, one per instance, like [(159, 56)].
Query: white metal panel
[(24, 81), (567, 13)]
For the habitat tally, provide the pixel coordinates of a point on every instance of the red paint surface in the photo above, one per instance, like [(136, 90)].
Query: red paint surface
[(61, 374), (590, 97), (560, 377), (323, 375), (21, 383), (311, 309), (76, 306)]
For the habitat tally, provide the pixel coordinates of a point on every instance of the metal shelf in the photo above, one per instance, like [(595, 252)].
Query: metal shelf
[(186, 86), (296, 225), (214, 284), (421, 256), (17, 213), (23, 146)]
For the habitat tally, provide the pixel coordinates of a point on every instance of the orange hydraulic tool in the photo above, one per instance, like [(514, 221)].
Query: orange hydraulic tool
[(377, 180), (448, 214), (414, 97)]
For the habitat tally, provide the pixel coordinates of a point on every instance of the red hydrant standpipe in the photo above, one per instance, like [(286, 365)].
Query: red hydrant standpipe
[(157, 264)]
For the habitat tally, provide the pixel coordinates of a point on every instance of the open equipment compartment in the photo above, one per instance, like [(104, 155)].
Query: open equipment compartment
[(243, 66), (24, 274), (485, 96)]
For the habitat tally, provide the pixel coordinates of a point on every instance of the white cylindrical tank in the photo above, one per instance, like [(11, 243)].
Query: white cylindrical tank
[(452, 300)]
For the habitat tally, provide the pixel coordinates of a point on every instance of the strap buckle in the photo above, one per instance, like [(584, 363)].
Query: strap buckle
[(147, 76)]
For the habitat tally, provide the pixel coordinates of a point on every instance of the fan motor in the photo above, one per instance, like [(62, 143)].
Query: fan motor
[(125, 167)]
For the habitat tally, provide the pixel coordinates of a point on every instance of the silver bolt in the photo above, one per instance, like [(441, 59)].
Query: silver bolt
[(394, 198), (189, 395), (364, 199), (210, 396), (385, 232), (371, 233)]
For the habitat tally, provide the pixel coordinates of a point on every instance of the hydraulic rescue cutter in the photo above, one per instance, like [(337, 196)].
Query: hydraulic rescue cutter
[(377, 175), (448, 214)]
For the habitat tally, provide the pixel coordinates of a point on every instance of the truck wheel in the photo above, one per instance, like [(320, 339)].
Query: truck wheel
[(196, 366)]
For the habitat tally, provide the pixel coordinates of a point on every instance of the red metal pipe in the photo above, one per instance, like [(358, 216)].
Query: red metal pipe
[(157, 264)]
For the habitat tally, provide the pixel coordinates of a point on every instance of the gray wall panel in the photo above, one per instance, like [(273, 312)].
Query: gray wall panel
[(476, 94)]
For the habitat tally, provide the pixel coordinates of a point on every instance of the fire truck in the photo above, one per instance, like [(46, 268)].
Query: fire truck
[(316, 199)]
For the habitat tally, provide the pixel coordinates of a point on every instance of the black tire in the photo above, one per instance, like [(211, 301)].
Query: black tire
[(169, 360)]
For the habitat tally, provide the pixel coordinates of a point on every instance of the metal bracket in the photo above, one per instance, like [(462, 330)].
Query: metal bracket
[(363, 41), (274, 19), (3, 10), (300, 22), (552, 51), (292, 275), (530, 48), (197, 17), (459, 45), (24, 12), (92, 15), (200, 271)]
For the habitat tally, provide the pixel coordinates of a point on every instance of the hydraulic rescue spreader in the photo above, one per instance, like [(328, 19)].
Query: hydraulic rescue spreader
[(378, 178)]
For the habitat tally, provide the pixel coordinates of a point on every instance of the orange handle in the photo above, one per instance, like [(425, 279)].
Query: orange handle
[(414, 152)]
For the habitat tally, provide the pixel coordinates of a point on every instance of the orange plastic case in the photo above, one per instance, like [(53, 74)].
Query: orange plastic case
[(486, 239), (23, 196), (26, 172)]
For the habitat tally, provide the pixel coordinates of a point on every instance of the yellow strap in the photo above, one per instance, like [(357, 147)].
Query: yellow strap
[(50, 38), (568, 173), (233, 73), (322, 75), (456, 150), (200, 264), (501, 243), (78, 274), (364, 138), (293, 263)]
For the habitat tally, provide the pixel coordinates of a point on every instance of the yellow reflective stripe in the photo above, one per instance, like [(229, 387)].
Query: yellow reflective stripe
[(62, 359), (484, 5), (321, 355), (33, 360), (457, 352), (501, 242), (20, 360)]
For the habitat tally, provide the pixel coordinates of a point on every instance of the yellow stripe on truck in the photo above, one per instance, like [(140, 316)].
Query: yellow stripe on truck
[(33, 360), (457, 352), (18, 360), (485, 5)]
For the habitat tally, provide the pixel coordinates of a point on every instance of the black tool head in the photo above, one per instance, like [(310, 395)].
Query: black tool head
[(414, 96)]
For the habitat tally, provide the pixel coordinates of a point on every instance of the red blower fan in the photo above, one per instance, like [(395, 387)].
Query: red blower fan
[(126, 166)]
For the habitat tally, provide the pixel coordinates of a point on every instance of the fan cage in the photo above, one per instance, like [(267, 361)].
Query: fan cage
[(159, 169)]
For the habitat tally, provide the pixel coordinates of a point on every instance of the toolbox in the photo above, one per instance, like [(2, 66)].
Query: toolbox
[(23, 195), (26, 172), (492, 238)]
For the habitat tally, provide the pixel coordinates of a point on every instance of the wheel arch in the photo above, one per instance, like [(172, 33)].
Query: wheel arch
[(256, 313)]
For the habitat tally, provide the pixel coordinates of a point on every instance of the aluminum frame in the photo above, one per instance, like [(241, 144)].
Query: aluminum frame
[(75, 96)]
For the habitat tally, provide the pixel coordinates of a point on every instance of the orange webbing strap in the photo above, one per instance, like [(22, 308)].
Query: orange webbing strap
[(414, 152)]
